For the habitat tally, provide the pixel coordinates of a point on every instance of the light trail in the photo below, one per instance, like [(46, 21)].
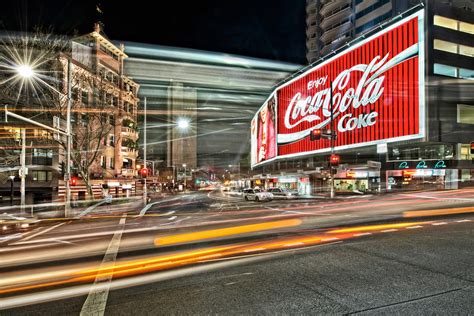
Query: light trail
[(183, 258), (451, 211)]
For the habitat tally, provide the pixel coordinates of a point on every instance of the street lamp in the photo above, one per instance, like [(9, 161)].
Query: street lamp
[(183, 123), (184, 166), (27, 72), (12, 178)]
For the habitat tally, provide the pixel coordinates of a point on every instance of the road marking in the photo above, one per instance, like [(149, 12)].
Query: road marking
[(43, 231), (149, 205), (414, 227), (172, 218), (362, 234), (438, 224), (389, 230), (97, 299), (463, 221)]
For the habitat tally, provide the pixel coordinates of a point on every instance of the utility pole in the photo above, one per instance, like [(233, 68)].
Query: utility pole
[(145, 198), (23, 169), (332, 192), (67, 176)]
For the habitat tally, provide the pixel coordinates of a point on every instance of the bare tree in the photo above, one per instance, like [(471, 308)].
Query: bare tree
[(43, 96)]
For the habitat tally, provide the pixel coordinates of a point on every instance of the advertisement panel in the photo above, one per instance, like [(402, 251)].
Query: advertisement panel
[(377, 89), (263, 133)]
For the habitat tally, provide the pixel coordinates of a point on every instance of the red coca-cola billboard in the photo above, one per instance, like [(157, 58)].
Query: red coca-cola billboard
[(377, 91)]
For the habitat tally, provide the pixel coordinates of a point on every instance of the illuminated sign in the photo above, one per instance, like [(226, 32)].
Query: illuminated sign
[(377, 89), (263, 133), (423, 164)]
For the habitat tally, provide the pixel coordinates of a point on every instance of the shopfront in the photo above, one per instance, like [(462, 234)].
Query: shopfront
[(357, 181), (428, 174)]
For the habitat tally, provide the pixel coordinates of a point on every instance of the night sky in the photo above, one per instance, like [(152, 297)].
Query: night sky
[(273, 29)]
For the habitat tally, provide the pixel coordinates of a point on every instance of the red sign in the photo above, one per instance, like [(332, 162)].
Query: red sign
[(377, 90)]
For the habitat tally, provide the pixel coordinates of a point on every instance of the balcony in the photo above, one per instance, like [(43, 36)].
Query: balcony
[(126, 172), (332, 7), (131, 133), (336, 32), (340, 15)]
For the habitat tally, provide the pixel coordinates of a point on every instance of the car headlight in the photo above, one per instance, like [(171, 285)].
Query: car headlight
[(24, 225), (4, 227)]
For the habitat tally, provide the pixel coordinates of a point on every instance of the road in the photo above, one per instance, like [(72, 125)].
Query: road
[(342, 256)]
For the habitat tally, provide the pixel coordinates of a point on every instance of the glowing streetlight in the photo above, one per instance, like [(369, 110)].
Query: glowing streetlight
[(183, 124), (25, 71)]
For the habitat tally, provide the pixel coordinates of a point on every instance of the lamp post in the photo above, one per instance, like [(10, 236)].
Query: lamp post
[(11, 178), (27, 72), (145, 199), (184, 166)]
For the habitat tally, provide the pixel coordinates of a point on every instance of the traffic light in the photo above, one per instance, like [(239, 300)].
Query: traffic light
[(144, 172), (334, 160), (62, 168), (315, 134), (73, 181), (472, 148)]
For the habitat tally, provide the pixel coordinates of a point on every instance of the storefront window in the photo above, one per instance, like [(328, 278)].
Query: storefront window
[(422, 152)]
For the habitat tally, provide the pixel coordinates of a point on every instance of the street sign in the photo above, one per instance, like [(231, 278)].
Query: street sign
[(374, 164), (67, 176), (382, 148)]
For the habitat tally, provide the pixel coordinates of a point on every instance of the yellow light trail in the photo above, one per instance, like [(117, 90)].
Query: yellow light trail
[(451, 211), (223, 232), (372, 227)]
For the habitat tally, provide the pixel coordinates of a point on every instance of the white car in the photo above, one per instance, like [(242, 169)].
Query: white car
[(257, 195), (282, 193)]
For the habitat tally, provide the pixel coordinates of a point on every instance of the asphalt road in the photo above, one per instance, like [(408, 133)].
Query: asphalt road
[(274, 257), (427, 270)]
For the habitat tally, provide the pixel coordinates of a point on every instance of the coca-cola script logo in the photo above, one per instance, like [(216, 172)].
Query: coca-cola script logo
[(317, 108)]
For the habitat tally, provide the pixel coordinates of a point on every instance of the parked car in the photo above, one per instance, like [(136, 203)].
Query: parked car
[(282, 193), (257, 195), (10, 223)]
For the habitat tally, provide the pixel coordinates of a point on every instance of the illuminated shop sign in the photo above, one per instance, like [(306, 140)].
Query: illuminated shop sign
[(422, 164), (377, 89)]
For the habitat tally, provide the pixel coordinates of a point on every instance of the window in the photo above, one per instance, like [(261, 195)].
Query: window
[(453, 48), (445, 46), (112, 140), (466, 73), (465, 114), (111, 163), (445, 70), (445, 22), (42, 156), (85, 97), (453, 24), (111, 120), (466, 50), (466, 27), (41, 175)]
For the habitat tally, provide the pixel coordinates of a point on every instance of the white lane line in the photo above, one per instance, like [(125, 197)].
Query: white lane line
[(389, 230), (172, 218), (43, 231), (440, 223), (414, 227), (148, 206), (463, 221), (362, 234), (97, 299)]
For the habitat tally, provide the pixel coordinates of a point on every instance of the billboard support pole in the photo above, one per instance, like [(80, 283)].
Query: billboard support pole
[(331, 168)]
